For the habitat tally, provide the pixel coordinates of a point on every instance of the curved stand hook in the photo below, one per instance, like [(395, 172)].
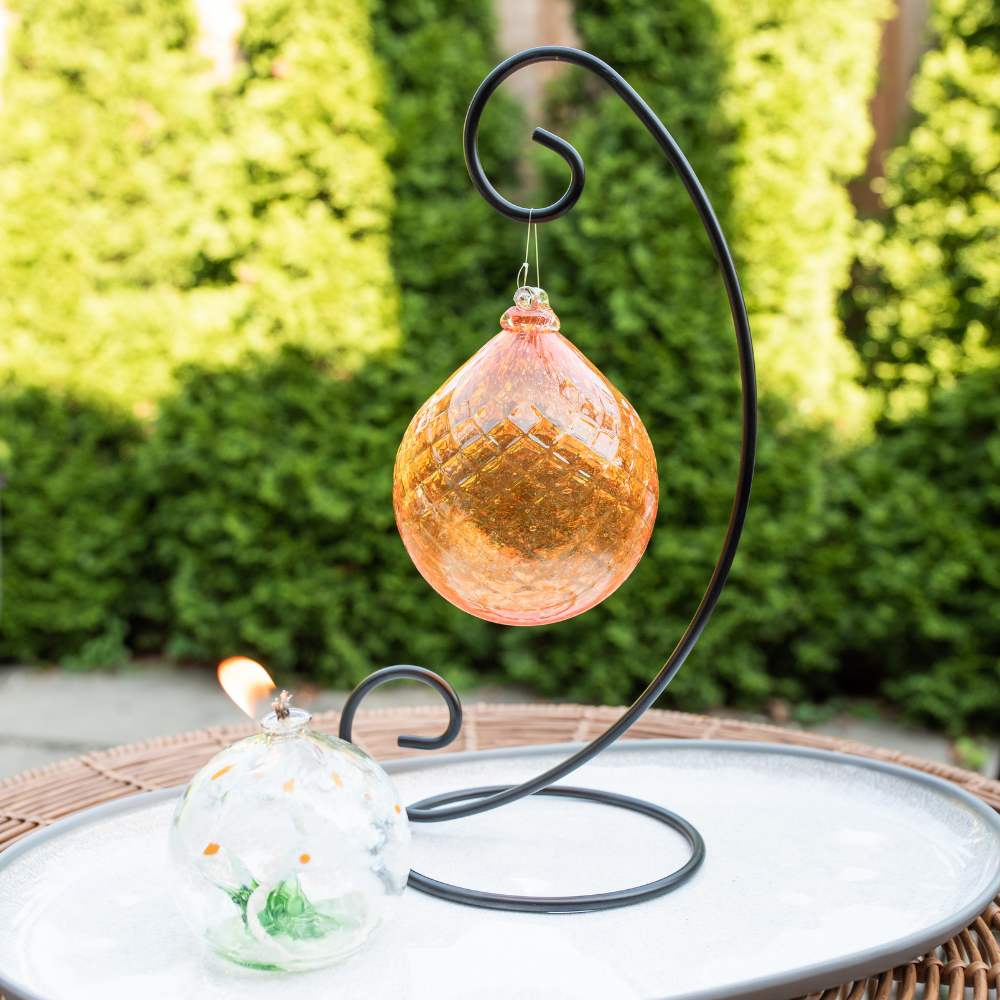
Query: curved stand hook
[(578, 173), (406, 670)]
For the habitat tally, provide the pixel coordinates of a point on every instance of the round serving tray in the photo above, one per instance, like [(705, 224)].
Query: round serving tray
[(832, 867)]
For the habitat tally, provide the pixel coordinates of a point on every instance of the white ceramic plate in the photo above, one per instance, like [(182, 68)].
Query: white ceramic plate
[(820, 868)]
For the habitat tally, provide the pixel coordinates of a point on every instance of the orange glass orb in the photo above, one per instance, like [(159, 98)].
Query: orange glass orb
[(525, 488)]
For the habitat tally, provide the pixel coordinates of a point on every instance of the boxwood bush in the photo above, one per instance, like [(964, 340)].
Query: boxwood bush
[(248, 508)]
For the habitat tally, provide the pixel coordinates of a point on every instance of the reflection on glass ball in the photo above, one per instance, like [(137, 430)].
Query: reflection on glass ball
[(525, 488), (289, 849)]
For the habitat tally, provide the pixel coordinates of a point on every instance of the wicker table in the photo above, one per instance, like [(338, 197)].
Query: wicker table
[(40, 797)]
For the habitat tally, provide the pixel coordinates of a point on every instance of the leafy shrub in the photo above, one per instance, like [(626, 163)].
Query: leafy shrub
[(921, 589), (927, 299), (148, 220), (271, 482), (72, 528), (271, 491), (634, 280), (265, 488), (251, 512), (799, 76), (449, 252)]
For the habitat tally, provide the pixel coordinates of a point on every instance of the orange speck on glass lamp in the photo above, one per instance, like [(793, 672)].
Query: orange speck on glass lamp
[(525, 488)]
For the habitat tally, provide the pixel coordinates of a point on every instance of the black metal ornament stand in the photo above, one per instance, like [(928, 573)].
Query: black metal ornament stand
[(455, 805)]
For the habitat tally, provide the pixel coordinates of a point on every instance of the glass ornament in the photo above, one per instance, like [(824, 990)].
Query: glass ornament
[(525, 488), (288, 849)]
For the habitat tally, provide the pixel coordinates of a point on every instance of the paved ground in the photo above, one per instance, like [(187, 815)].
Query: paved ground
[(46, 715)]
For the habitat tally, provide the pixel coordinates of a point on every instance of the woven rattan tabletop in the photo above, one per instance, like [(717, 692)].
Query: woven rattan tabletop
[(40, 797)]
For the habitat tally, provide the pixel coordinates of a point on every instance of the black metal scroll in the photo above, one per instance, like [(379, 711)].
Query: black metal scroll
[(454, 806), (407, 672)]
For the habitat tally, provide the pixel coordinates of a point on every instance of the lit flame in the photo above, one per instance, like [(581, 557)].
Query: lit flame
[(245, 681)]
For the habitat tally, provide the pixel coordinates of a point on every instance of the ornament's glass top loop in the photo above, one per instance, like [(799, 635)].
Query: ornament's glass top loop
[(531, 312)]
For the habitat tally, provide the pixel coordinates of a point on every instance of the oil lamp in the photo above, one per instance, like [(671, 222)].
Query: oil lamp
[(290, 848)]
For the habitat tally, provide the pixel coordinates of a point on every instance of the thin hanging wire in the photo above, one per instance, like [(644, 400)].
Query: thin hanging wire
[(525, 268), (538, 270)]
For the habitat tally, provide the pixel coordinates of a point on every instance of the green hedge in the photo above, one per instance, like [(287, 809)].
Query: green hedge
[(72, 529), (798, 79), (919, 568), (927, 300), (912, 561), (271, 485), (148, 220), (226, 435), (252, 513), (635, 282)]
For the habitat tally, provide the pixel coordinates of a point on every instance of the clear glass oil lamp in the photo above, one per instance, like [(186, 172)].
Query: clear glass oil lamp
[(290, 848)]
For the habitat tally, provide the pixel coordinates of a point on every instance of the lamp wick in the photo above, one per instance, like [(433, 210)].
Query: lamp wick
[(282, 705)]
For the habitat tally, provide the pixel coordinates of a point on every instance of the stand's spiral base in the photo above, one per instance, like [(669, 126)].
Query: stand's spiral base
[(567, 904), (432, 810)]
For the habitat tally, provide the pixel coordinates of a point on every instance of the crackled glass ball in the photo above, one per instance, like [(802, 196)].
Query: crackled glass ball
[(289, 849), (525, 488)]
